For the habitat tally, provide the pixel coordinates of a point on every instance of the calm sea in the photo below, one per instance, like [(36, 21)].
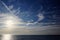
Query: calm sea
[(29, 37)]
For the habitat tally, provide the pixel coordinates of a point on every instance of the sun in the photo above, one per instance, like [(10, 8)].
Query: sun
[(10, 22)]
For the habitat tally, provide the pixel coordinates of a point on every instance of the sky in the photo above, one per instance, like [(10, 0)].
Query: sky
[(34, 13)]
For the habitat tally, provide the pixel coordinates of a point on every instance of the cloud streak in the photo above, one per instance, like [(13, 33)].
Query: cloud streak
[(7, 7)]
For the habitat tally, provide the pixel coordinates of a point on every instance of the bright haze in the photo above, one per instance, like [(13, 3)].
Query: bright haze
[(29, 17)]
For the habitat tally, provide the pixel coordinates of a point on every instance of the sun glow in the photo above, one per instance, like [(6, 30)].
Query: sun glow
[(10, 22), (7, 37)]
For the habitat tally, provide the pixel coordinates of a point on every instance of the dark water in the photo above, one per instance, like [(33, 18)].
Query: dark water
[(35, 37)]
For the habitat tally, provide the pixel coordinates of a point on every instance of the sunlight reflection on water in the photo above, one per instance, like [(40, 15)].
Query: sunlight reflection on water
[(7, 37)]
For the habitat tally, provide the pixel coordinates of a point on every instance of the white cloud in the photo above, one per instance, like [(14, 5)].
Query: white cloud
[(40, 17), (36, 30)]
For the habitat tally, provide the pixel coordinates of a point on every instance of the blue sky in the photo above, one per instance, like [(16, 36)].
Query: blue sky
[(30, 16), (33, 11)]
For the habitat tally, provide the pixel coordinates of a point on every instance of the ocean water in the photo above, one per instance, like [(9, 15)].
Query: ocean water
[(30, 37)]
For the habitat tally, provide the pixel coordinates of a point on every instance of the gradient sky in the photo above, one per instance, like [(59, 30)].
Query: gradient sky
[(30, 16), (33, 11)]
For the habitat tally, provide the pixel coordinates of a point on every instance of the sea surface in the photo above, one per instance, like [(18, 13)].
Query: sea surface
[(31, 37)]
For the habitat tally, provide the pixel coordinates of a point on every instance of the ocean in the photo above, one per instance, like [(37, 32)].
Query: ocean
[(30, 37)]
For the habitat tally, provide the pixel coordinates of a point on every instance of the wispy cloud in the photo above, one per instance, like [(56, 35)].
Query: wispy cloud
[(40, 17)]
